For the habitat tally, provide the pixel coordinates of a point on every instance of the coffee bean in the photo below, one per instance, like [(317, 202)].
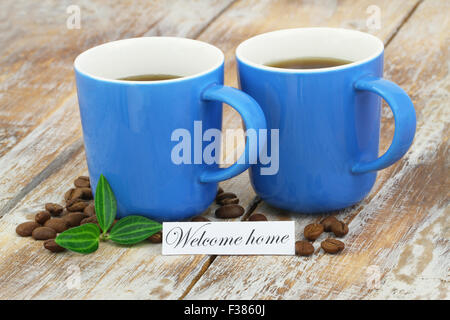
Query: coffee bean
[(332, 245), (82, 182), (224, 202), (156, 238), (73, 219), (43, 233), (339, 228), (78, 194), (42, 216), (26, 229), (225, 195), (200, 219), (219, 190), (51, 245), (90, 209), (230, 211), (77, 206), (86, 193), (257, 217), (64, 213), (54, 208), (313, 231), (69, 194), (73, 201), (304, 248), (327, 222), (75, 194), (92, 219), (57, 224)]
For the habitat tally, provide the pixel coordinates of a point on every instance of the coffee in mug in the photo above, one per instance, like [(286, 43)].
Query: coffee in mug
[(150, 77), (308, 63)]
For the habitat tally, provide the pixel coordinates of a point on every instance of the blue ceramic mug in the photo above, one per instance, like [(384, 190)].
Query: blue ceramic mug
[(328, 119), (129, 126)]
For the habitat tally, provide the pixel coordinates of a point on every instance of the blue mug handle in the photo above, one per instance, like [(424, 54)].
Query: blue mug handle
[(405, 121), (253, 117)]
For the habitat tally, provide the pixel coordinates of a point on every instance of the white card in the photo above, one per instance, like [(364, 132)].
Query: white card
[(229, 238)]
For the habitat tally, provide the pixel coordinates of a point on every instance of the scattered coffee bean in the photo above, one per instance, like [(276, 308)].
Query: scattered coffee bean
[(225, 195), (230, 211), (26, 229), (77, 206), (332, 245), (42, 216), (257, 217), (156, 238), (313, 231), (57, 224), (92, 219), (73, 219), (327, 222), (224, 202), (71, 202), (51, 245), (73, 194), (64, 213), (69, 194), (200, 219), (220, 190), (339, 228), (90, 209), (85, 193), (54, 208), (82, 182), (303, 248), (43, 233), (81, 194)]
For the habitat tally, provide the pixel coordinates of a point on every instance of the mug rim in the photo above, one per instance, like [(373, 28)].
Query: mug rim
[(214, 67), (241, 57)]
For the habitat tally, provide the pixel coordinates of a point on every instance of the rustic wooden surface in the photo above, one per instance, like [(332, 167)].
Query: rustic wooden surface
[(401, 230)]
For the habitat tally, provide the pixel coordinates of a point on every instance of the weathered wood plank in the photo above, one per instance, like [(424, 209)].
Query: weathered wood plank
[(32, 272), (38, 108), (107, 273), (28, 271), (402, 229)]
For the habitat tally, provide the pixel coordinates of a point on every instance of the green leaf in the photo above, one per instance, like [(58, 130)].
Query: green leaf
[(105, 204), (82, 239), (133, 229)]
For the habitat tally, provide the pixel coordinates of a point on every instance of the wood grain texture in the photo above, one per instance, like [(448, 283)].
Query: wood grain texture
[(28, 271), (41, 164), (401, 230), (38, 105)]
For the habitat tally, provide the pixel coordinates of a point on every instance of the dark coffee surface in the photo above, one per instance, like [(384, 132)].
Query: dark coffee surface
[(308, 63), (150, 77)]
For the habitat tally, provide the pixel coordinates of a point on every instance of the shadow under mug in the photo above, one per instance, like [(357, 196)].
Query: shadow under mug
[(328, 119), (128, 126)]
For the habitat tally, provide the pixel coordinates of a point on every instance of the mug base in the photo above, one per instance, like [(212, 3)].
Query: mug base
[(315, 209)]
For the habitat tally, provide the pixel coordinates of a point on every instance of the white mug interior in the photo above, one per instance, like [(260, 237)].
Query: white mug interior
[(149, 55), (288, 44)]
